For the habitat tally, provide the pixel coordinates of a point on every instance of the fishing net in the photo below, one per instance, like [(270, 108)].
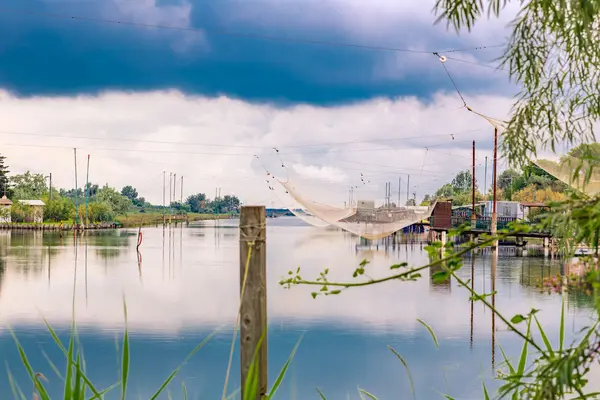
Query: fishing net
[(364, 220), (578, 173)]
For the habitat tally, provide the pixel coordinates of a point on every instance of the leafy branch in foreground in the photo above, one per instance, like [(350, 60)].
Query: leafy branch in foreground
[(553, 52), (553, 374)]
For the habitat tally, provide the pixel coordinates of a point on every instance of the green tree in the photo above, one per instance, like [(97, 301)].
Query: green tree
[(4, 181), (463, 182), (101, 211), (197, 202), (130, 192), (58, 209), (119, 204), (29, 186), (445, 191)]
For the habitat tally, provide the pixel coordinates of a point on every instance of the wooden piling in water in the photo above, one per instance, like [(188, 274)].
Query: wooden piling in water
[(253, 294)]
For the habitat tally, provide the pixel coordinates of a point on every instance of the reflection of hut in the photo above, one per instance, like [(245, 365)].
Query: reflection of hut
[(37, 210), (5, 205)]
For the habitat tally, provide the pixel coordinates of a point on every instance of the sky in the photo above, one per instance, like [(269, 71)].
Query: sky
[(220, 92)]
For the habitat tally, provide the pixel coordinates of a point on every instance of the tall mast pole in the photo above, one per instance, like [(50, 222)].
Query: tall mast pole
[(473, 217), (164, 194), (494, 215), (181, 200), (76, 191), (407, 189), (87, 191), (485, 179)]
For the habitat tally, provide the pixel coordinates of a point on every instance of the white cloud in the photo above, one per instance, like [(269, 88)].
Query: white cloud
[(329, 174), (212, 141)]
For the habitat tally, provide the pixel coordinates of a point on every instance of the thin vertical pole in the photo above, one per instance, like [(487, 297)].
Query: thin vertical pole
[(473, 217), (76, 191), (181, 200), (174, 186), (50, 186), (494, 215), (485, 179), (399, 186), (164, 184), (407, 189), (170, 187), (253, 295), (87, 191)]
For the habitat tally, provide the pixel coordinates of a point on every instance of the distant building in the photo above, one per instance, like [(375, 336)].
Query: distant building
[(509, 209), (365, 205), (5, 204), (37, 210)]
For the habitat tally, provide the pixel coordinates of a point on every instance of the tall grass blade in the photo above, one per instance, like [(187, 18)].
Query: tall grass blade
[(77, 392), (101, 394), (561, 338), (37, 384), (97, 394), (283, 371), (403, 361), (69, 372), (544, 337), (523, 358), (321, 395), (184, 391), (14, 386), (507, 361), (435, 341), (125, 359), (486, 395), (369, 395), (56, 371), (251, 384), (164, 385), (233, 394)]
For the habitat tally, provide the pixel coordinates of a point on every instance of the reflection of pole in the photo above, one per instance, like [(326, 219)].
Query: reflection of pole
[(494, 265), (87, 192), (472, 288), (494, 215)]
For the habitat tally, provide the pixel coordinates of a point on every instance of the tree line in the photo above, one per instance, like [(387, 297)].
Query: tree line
[(105, 203), (527, 184)]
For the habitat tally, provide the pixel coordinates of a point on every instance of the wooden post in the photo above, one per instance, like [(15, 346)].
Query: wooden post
[(253, 297)]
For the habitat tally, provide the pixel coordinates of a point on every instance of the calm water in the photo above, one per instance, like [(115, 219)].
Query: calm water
[(187, 285)]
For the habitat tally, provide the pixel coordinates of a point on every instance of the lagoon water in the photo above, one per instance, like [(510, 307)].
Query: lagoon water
[(186, 286)]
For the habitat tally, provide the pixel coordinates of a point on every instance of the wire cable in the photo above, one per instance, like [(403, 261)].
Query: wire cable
[(227, 33)]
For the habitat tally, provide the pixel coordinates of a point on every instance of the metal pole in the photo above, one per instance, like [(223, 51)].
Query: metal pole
[(485, 179), (407, 189), (494, 215), (181, 201), (399, 186), (170, 187), (50, 186), (174, 186), (164, 185), (76, 191), (87, 191)]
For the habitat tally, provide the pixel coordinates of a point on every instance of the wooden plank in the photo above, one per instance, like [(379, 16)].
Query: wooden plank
[(253, 313)]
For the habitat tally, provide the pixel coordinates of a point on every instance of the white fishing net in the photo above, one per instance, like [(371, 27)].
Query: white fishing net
[(575, 172), (366, 220)]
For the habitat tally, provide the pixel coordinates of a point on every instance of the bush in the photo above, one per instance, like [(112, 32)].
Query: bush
[(59, 209)]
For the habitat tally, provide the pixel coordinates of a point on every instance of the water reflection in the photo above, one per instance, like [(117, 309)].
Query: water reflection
[(183, 282)]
